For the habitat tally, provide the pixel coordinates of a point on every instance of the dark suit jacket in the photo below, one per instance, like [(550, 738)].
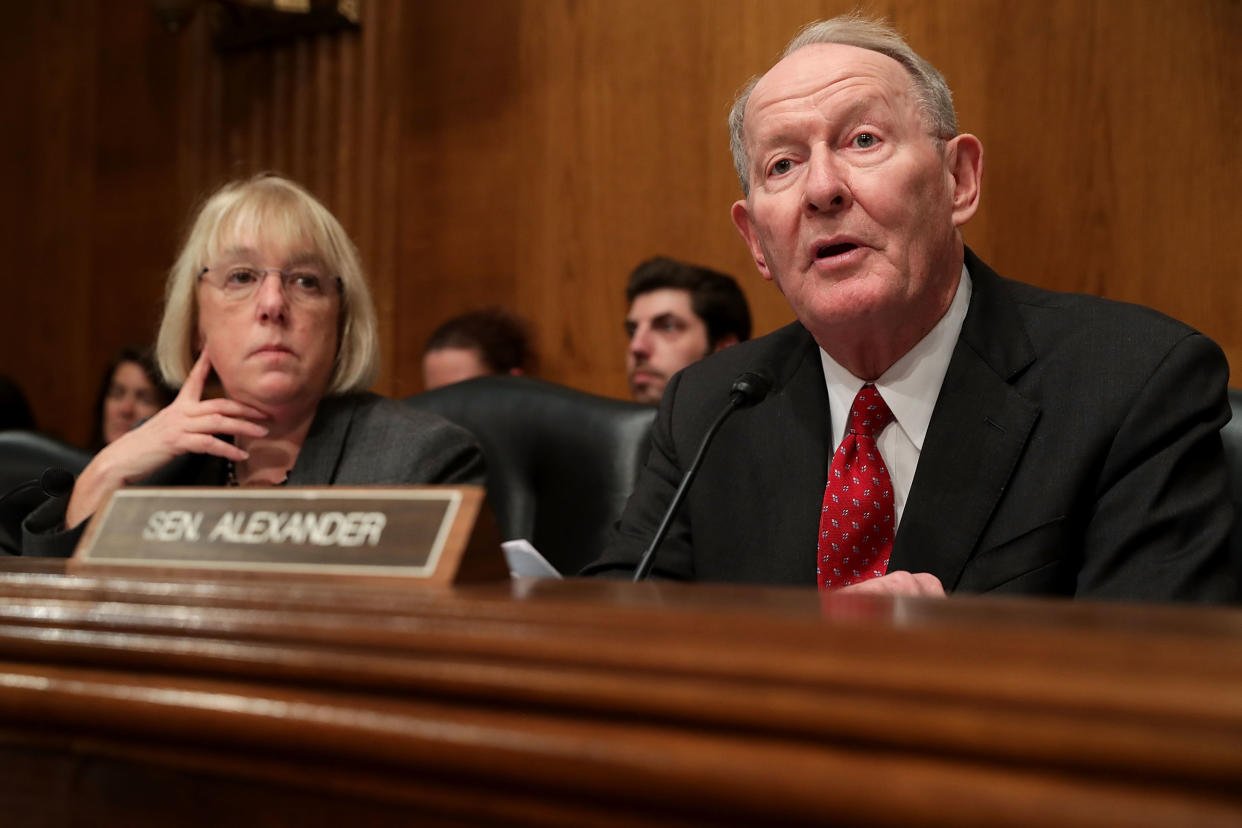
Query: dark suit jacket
[(1074, 450), (354, 440)]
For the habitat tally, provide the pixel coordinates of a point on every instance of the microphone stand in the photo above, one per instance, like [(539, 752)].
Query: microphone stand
[(747, 390)]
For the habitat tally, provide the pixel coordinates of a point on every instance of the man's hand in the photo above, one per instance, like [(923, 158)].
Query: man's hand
[(919, 584)]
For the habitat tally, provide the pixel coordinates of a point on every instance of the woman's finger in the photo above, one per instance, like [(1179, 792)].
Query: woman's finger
[(215, 423), (207, 444), (231, 408), (192, 389)]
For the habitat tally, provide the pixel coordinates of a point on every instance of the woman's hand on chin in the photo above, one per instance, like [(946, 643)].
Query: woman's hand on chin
[(188, 424)]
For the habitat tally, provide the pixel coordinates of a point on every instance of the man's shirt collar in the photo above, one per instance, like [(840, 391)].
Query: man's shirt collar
[(911, 385)]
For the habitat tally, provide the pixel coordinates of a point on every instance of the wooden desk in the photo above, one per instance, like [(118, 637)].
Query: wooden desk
[(594, 703)]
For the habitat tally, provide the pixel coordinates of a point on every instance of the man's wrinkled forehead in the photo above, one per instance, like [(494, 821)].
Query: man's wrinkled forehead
[(816, 71)]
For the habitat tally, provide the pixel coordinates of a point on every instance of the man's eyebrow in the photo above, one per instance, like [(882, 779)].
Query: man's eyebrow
[(852, 111), (775, 139), (667, 316)]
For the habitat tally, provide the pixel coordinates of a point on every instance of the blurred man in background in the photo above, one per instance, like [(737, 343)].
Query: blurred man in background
[(678, 314)]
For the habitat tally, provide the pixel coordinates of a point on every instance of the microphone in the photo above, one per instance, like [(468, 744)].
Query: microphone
[(748, 389), (54, 482)]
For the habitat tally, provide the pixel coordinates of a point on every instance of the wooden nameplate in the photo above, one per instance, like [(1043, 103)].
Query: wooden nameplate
[(435, 535)]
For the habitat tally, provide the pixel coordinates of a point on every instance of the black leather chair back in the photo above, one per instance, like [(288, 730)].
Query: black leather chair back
[(1231, 434), (24, 456), (561, 462)]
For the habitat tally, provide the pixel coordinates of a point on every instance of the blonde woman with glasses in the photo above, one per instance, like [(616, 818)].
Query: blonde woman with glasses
[(270, 331)]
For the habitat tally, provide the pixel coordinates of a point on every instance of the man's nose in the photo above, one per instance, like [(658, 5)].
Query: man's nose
[(272, 302), (827, 185), (640, 342)]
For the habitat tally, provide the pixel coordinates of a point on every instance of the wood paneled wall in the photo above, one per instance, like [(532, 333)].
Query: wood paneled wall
[(529, 152)]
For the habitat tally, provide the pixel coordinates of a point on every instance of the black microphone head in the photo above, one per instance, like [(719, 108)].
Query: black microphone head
[(56, 482), (750, 388)]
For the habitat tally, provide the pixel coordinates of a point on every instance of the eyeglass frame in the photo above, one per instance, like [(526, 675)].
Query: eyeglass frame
[(284, 275)]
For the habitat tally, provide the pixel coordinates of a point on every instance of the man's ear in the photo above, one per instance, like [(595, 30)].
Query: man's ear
[(746, 227), (964, 159), (725, 341)]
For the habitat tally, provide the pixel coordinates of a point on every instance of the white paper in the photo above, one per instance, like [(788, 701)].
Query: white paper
[(526, 562)]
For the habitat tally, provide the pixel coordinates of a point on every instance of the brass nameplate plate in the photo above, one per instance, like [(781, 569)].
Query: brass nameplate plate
[(416, 532)]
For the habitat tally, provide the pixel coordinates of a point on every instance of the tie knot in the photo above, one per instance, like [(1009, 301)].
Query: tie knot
[(869, 414)]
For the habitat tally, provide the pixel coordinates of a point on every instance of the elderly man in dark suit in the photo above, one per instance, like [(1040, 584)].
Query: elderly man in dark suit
[(931, 426)]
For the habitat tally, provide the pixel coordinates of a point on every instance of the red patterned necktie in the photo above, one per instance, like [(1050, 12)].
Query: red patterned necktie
[(856, 525)]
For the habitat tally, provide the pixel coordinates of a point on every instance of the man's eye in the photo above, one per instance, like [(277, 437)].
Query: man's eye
[(630, 328), (667, 325), (242, 276), (865, 140), (781, 167)]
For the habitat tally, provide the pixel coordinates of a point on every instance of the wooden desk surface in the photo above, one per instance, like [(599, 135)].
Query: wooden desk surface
[(598, 703)]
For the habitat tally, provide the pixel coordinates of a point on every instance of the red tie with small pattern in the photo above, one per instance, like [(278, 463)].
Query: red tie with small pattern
[(856, 525)]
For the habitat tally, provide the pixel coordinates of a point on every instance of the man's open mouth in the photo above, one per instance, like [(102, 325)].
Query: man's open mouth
[(829, 250)]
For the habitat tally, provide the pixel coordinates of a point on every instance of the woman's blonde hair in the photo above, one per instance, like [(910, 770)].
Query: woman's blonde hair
[(280, 212)]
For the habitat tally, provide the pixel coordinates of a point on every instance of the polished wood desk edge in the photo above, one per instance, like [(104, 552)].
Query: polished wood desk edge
[(573, 687), (769, 601), (1181, 685), (616, 760), (627, 620)]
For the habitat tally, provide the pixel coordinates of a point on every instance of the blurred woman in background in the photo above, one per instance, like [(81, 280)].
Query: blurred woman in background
[(131, 391)]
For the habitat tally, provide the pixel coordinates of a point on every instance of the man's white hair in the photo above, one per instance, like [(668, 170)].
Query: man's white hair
[(933, 95)]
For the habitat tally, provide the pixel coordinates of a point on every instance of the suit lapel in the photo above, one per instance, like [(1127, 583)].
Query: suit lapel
[(978, 429), (801, 425), (320, 458)]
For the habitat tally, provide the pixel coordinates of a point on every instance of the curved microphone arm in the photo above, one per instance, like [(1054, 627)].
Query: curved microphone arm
[(747, 390)]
